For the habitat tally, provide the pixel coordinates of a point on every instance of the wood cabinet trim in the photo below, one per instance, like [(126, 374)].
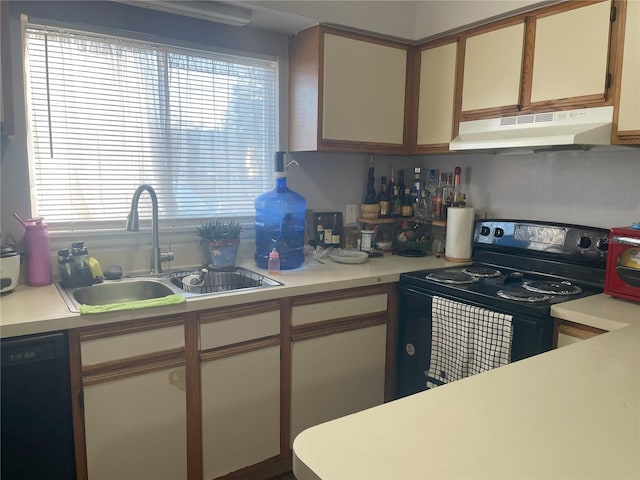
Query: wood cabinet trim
[(86, 334), (130, 367), (239, 348), (339, 325), (579, 330), (285, 377), (193, 381), (364, 37), (77, 408), (621, 137), (227, 313), (313, 298), (392, 339), (526, 76)]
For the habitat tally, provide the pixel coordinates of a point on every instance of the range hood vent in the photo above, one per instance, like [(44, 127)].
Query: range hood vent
[(583, 127)]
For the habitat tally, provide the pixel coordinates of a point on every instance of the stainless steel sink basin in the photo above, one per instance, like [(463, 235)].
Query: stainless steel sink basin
[(144, 288), (119, 292)]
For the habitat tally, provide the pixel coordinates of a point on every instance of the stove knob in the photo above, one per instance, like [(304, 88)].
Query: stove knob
[(584, 242), (603, 244), (498, 232), (485, 231)]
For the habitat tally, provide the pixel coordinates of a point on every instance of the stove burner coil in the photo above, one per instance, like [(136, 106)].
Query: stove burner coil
[(521, 295), (552, 287), (452, 277), (482, 272)]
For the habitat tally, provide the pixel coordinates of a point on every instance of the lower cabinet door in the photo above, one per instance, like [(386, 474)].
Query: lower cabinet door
[(135, 427), (335, 375), (240, 410)]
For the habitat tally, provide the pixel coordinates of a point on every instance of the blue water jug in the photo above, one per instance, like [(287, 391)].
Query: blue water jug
[(280, 222)]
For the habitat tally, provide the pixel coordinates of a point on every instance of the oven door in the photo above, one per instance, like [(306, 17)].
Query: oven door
[(530, 337)]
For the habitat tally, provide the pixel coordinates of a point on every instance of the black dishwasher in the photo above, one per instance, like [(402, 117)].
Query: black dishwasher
[(36, 419)]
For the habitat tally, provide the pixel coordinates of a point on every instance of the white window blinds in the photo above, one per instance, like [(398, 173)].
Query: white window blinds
[(108, 114)]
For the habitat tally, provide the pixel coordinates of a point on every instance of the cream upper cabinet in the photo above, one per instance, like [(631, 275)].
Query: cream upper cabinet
[(364, 90), (346, 92), (436, 95), (629, 104), (492, 68), (571, 52)]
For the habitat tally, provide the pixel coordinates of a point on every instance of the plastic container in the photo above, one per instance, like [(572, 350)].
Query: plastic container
[(39, 272), (280, 222), (274, 263)]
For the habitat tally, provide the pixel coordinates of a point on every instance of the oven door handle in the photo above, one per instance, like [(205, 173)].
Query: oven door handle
[(635, 242)]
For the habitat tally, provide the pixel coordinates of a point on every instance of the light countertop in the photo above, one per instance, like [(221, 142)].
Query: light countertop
[(571, 413), (29, 310)]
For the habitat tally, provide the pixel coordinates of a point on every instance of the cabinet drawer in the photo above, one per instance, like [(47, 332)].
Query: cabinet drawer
[(221, 330), (128, 344), (341, 308)]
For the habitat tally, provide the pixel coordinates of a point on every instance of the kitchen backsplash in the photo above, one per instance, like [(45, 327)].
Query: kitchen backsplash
[(598, 188)]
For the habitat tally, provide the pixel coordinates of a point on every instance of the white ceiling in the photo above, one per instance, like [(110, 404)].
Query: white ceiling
[(412, 20)]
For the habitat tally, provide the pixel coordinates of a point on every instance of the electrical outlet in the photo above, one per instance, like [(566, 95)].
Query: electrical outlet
[(351, 214)]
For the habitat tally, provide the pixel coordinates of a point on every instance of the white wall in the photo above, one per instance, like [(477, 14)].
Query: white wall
[(597, 188)]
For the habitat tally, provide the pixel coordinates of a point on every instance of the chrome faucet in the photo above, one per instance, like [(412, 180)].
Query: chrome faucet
[(133, 225)]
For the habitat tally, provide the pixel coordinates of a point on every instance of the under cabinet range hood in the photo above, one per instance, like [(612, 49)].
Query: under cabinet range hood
[(583, 127)]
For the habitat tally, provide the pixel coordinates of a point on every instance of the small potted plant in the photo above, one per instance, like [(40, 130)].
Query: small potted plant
[(222, 238)]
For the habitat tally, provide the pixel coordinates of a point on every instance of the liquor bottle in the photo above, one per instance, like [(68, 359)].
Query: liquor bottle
[(384, 200), (370, 197), (328, 236), (320, 233), (336, 240), (407, 204), (398, 193), (417, 185), (432, 195), (391, 189), (457, 195)]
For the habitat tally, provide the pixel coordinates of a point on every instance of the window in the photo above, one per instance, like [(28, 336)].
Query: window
[(108, 114)]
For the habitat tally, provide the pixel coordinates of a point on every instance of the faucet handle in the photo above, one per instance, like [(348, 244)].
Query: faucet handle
[(167, 256)]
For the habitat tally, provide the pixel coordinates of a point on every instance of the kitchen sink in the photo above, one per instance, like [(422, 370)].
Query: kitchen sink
[(215, 281), (144, 288), (119, 292)]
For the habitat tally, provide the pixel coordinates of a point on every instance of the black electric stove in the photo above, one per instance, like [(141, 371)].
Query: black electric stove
[(521, 268)]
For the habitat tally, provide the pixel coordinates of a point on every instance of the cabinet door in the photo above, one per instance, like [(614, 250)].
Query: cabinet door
[(568, 333), (436, 94), (335, 375), (570, 55), (629, 103), (492, 68), (363, 91), (240, 410), (135, 427)]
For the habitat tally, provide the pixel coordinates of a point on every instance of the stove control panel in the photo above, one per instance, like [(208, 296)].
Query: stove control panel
[(554, 238)]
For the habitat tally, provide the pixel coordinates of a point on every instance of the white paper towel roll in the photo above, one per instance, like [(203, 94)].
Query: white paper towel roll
[(459, 237)]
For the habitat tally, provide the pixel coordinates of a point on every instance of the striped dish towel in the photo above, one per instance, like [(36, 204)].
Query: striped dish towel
[(466, 340)]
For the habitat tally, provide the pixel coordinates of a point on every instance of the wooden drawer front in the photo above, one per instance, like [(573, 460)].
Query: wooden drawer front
[(131, 344), (228, 331), (318, 312)]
